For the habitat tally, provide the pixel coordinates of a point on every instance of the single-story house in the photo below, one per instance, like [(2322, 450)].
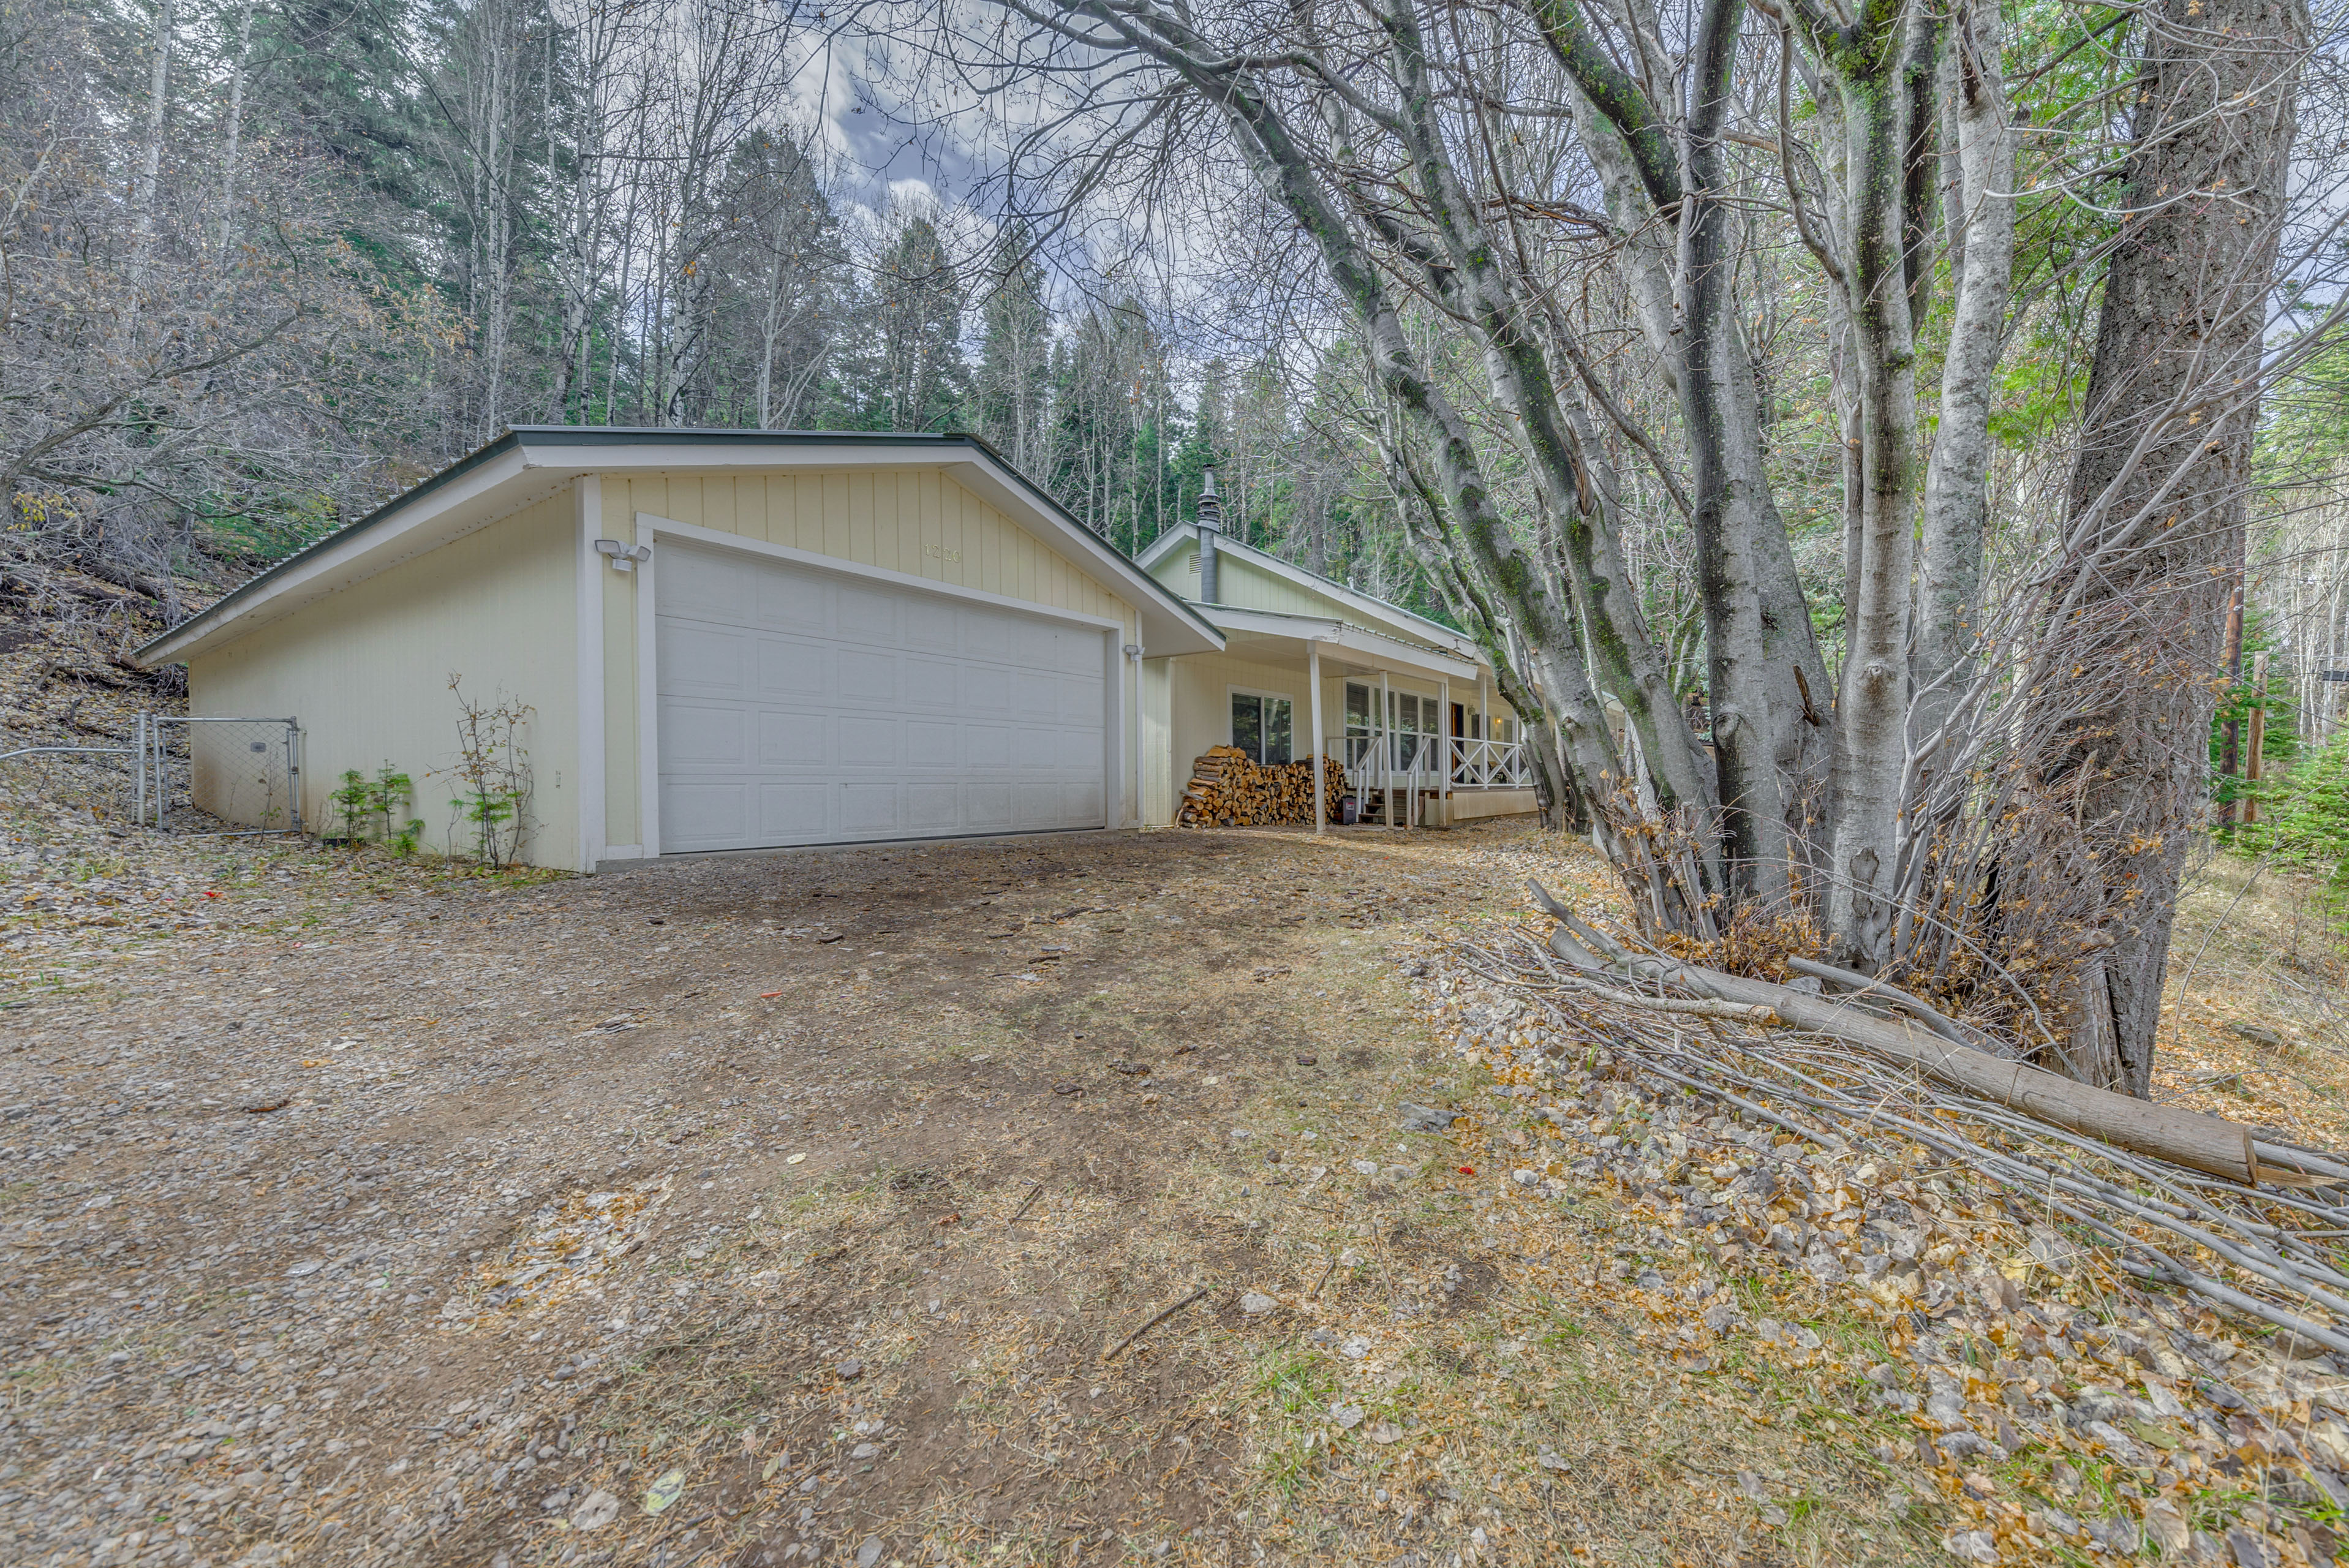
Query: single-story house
[(741, 639)]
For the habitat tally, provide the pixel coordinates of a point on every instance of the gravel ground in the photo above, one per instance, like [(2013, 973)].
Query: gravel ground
[(353, 1204), (1161, 1200)]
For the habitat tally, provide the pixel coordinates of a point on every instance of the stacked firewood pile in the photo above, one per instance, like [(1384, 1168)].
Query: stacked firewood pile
[(1227, 790)]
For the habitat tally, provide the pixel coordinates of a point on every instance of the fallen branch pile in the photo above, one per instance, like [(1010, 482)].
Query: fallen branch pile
[(2231, 1213), (1228, 791)]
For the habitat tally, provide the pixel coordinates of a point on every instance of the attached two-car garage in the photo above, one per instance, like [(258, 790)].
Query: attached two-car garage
[(799, 706), (715, 640)]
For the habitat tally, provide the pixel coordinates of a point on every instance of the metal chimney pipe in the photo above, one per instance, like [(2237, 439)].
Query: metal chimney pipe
[(1211, 531)]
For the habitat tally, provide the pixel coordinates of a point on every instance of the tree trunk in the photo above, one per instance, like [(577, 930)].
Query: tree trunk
[(1759, 642), (235, 131), (150, 166), (1871, 72), (1981, 250), (2133, 664), (1527, 595)]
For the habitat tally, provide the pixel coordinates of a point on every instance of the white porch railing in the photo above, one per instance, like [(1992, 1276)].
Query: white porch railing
[(1489, 765), (1415, 762)]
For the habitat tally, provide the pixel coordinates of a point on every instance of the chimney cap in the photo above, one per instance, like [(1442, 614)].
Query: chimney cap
[(1209, 488)]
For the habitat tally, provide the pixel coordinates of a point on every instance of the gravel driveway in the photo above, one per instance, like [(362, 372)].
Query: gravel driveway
[(370, 1212)]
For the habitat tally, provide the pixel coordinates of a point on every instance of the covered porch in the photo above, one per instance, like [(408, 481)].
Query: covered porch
[(1422, 738)]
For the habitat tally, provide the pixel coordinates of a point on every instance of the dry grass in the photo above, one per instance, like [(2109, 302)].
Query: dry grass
[(1452, 1365), (2256, 1023)]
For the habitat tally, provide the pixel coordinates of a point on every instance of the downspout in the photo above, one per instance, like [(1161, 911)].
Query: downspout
[(1134, 657), (1211, 531)]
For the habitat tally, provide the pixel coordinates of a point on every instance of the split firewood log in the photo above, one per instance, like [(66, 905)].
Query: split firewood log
[(1229, 790)]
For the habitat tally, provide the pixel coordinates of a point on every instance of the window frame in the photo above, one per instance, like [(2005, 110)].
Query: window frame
[(1261, 695)]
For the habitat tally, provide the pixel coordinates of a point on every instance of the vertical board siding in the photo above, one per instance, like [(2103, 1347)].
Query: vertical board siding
[(1158, 766), (1200, 703), (891, 519), (367, 669), (874, 518)]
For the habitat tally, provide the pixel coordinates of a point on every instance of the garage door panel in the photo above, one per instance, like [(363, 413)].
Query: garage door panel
[(788, 667), (701, 586), (934, 743), (869, 741), (790, 813), (798, 707), (869, 807), (719, 663), (988, 808), (863, 675), (1036, 695), (938, 632), (869, 615), (984, 636), (790, 740), (930, 683), (715, 811), (933, 808), (707, 735), (785, 604), (989, 746), (986, 690)]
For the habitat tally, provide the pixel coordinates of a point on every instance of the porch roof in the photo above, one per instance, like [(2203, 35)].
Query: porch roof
[(1357, 649)]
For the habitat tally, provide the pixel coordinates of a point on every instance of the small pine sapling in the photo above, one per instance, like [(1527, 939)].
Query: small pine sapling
[(389, 796), (352, 805), (493, 774)]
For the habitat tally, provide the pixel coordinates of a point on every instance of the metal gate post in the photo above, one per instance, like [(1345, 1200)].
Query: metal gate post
[(293, 773), (139, 771)]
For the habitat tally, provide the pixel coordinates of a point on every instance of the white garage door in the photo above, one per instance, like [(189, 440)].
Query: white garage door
[(798, 707)]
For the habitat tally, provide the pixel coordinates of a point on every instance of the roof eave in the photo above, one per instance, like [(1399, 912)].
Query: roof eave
[(1169, 624)]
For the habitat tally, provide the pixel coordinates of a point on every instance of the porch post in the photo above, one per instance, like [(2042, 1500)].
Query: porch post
[(1386, 750), (1444, 747), (1313, 706)]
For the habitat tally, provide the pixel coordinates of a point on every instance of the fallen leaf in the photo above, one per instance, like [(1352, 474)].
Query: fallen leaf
[(666, 1490)]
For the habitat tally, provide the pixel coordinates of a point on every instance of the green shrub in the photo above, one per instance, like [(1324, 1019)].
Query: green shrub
[(2304, 821), (366, 808)]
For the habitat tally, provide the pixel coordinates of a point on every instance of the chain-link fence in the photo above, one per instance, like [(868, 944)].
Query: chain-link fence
[(219, 775), (186, 777)]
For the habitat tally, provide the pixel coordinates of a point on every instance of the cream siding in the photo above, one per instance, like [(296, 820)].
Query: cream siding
[(365, 670), (917, 522), (1200, 703), (1242, 584), (1158, 759)]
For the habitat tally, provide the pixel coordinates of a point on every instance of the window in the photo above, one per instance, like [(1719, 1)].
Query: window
[(1262, 726)]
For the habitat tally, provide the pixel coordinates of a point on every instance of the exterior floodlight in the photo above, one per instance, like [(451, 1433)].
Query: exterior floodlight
[(624, 557)]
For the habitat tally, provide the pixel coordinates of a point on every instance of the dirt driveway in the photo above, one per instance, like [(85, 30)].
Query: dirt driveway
[(363, 1212)]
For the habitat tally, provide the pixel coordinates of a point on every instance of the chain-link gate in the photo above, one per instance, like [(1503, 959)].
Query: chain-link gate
[(219, 777)]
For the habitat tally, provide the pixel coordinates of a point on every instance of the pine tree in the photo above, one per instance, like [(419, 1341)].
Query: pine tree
[(1206, 444), (1015, 367), (924, 381)]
